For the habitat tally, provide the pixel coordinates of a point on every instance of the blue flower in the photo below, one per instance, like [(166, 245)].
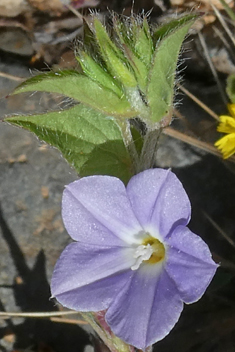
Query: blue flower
[(134, 256)]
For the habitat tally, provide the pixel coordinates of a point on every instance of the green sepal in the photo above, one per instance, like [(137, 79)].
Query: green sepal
[(160, 91), (80, 88), (230, 88), (114, 58), (88, 140)]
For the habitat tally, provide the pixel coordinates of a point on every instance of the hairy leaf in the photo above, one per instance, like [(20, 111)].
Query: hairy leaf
[(91, 142), (81, 88), (172, 25), (160, 91), (144, 45), (96, 72), (116, 62)]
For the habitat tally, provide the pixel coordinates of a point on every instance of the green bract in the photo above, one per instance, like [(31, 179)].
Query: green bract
[(126, 72)]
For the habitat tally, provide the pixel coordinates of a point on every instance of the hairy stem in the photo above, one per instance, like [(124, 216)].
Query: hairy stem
[(148, 153), (129, 143)]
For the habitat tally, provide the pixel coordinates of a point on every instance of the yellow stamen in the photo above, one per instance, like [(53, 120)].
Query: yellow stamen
[(158, 250)]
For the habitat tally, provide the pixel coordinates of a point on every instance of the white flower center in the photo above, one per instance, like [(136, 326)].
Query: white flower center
[(142, 253)]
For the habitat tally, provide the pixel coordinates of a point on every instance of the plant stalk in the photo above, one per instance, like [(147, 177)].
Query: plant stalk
[(148, 153), (129, 143)]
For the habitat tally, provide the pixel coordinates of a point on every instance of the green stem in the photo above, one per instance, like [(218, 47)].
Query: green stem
[(129, 143), (148, 152)]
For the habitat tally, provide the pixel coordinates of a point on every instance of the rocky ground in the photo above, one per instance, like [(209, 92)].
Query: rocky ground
[(33, 175)]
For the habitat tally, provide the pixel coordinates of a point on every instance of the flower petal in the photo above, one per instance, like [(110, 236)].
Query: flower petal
[(147, 307), (226, 145), (97, 209), (84, 279), (81, 224), (189, 264), (159, 201), (227, 124)]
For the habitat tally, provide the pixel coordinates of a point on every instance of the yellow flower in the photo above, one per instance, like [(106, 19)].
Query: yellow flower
[(226, 144)]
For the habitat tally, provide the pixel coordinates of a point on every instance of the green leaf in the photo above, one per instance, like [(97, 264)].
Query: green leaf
[(166, 28), (125, 35), (80, 88), (139, 68), (160, 91), (88, 41), (114, 58), (91, 142), (144, 45), (230, 89), (93, 70), (137, 44)]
